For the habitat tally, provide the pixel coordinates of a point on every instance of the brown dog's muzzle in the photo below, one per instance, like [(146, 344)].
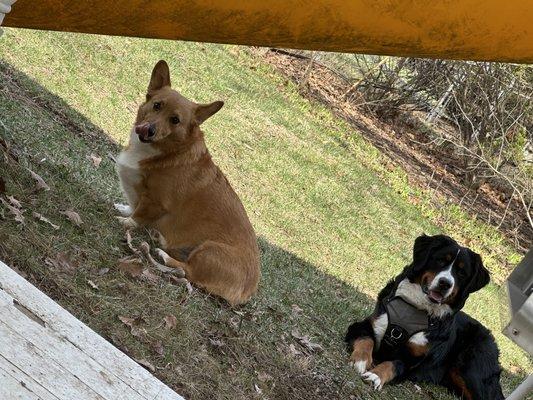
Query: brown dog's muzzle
[(145, 131)]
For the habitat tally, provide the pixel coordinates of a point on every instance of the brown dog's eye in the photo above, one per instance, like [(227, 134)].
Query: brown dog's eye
[(175, 120), (157, 106)]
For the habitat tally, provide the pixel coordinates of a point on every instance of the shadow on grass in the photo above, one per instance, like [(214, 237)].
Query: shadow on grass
[(215, 351)]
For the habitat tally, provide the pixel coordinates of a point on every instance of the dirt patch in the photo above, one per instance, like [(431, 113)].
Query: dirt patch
[(427, 165)]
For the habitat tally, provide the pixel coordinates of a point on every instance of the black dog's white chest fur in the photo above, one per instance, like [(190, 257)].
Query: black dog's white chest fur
[(421, 306)]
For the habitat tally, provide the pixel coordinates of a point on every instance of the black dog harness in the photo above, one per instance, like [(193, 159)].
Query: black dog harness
[(404, 320)]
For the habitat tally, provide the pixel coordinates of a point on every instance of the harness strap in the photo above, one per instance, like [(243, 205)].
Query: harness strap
[(404, 320)]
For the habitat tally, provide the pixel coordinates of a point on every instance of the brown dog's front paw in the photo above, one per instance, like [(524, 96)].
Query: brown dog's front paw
[(128, 222), (361, 358), (124, 209)]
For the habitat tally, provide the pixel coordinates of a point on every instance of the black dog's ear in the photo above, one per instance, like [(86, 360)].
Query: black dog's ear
[(481, 276), (423, 246), (421, 250)]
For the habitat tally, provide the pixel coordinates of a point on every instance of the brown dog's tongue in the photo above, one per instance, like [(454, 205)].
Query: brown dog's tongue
[(142, 130)]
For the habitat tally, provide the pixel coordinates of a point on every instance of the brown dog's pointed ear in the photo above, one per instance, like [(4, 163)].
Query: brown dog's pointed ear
[(204, 111), (160, 78)]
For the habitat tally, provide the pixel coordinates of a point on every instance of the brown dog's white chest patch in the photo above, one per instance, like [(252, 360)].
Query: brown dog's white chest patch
[(128, 166)]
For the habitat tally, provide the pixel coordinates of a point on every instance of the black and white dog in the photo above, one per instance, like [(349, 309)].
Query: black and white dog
[(417, 331)]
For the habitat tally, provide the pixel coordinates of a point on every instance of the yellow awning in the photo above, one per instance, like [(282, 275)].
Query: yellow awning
[(499, 30)]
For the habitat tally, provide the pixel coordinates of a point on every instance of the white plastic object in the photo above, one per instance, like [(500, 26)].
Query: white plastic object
[(5, 7)]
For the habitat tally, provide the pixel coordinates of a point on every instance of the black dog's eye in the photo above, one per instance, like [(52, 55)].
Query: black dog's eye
[(461, 272), (175, 120), (157, 106)]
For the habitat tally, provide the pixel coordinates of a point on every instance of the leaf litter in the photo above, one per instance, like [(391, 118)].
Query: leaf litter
[(131, 266), (42, 218), (16, 212), (306, 342), (40, 183), (73, 217), (134, 325), (170, 322), (95, 160), (14, 202), (62, 262)]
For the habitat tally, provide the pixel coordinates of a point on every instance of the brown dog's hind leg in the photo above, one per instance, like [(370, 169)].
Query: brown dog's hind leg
[(178, 266), (223, 270)]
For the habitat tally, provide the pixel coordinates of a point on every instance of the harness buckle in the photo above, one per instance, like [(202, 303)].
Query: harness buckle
[(395, 336), (396, 333)]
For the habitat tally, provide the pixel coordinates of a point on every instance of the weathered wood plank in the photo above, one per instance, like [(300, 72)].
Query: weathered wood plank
[(25, 356), (50, 338), (60, 351), (14, 388)]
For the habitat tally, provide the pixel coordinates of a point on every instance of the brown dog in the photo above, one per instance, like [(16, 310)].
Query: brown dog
[(172, 185)]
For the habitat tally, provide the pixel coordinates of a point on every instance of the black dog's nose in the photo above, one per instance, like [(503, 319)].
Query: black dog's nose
[(444, 284), (151, 130)]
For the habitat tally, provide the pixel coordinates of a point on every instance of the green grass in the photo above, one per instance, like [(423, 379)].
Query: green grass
[(334, 221)]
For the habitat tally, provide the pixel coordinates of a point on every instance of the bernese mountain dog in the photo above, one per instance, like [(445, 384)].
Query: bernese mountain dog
[(417, 331)]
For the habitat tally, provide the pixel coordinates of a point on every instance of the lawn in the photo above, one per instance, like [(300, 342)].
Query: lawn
[(334, 218)]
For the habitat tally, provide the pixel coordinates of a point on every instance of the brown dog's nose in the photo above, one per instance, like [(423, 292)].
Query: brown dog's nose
[(145, 130)]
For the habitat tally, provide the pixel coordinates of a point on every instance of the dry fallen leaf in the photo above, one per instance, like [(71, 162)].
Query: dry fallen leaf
[(73, 216), (131, 266), (15, 211), (257, 389), (146, 364), (293, 351), (96, 160), (40, 217), (14, 202), (93, 285), (130, 244), (133, 324), (62, 261), (305, 341), (41, 184), (216, 342), (158, 348), (103, 271), (263, 377), (149, 276), (296, 310), (127, 320), (170, 322)]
